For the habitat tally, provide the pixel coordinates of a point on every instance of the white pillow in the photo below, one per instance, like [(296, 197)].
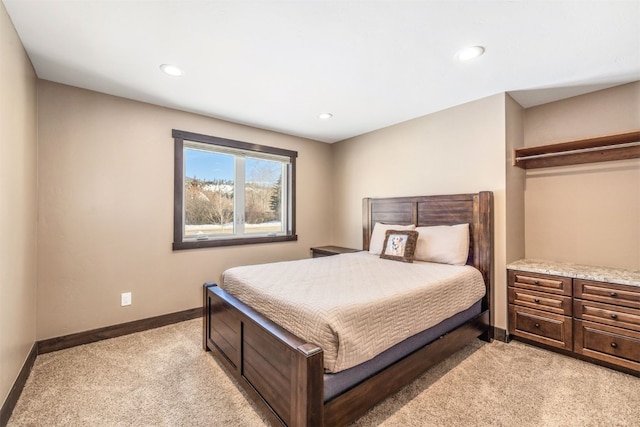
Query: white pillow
[(446, 244), (379, 233)]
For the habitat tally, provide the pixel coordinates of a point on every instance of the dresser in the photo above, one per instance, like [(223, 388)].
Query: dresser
[(591, 312)]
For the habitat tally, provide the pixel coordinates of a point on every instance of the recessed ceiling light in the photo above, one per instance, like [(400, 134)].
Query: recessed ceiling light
[(325, 116), (172, 70), (469, 53)]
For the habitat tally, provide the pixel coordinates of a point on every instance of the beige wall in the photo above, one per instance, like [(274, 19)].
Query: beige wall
[(587, 214), (459, 150), (18, 188), (106, 210), (515, 181)]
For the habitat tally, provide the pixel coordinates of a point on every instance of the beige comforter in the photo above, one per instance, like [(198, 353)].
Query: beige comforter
[(356, 305)]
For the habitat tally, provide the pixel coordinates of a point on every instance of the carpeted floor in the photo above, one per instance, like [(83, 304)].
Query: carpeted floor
[(162, 377)]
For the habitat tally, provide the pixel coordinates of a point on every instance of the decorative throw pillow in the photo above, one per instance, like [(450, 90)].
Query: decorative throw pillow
[(399, 245), (446, 244), (378, 235)]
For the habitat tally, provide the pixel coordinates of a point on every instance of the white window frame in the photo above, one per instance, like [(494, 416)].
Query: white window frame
[(240, 150)]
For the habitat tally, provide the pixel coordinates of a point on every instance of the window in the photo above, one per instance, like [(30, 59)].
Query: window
[(230, 192)]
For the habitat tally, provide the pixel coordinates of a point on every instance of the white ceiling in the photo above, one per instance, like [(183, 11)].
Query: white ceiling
[(278, 64)]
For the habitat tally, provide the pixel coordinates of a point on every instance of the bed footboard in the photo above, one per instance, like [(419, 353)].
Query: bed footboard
[(281, 372)]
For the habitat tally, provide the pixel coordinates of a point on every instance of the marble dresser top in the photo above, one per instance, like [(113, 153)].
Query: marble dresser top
[(587, 272)]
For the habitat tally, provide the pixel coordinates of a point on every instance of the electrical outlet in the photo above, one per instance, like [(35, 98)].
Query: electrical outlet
[(125, 299)]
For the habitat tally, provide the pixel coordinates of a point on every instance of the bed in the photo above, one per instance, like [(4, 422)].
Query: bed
[(285, 375)]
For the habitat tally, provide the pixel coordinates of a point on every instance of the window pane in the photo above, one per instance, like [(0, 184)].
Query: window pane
[(208, 193), (231, 192), (263, 196)]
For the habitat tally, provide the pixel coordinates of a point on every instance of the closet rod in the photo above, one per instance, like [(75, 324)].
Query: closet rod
[(579, 150)]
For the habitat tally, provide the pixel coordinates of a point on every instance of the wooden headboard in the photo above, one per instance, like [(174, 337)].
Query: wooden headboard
[(476, 209)]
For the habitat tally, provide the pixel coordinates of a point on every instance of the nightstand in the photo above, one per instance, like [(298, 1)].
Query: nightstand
[(320, 251)]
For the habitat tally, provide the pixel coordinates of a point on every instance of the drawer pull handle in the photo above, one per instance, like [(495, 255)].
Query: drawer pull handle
[(613, 294), (614, 345), (537, 325), (537, 300), (614, 316)]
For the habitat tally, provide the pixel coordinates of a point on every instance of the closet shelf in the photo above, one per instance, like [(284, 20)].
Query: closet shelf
[(600, 149)]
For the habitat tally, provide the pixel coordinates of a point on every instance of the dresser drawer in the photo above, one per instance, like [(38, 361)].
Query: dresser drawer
[(621, 317), (540, 300), (536, 325), (628, 296), (608, 343), (540, 282)]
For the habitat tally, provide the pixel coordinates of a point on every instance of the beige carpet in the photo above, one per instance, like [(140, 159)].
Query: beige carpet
[(163, 377)]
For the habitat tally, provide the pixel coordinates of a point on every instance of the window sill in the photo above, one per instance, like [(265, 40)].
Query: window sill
[(214, 243)]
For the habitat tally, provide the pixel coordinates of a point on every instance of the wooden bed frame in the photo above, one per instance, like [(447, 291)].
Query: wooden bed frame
[(283, 374)]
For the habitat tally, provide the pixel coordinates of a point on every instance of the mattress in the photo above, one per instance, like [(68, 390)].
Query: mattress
[(355, 306)]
